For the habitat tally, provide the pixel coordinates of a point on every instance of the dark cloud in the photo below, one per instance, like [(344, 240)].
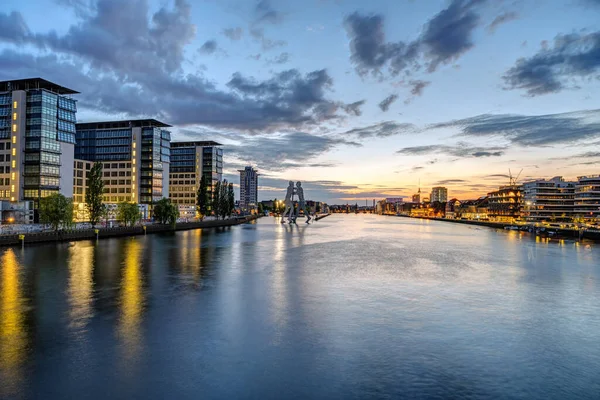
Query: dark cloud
[(531, 130), (233, 33), (258, 34), (502, 19), (280, 59), (128, 65), (449, 181), (446, 37), (552, 69), (449, 34), (265, 13), (587, 154), (354, 108), (14, 28), (417, 87), (369, 50), (209, 47), (461, 150), (383, 129), (493, 176), (278, 152), (387, 102)]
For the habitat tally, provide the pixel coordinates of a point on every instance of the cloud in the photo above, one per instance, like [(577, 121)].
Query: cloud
[(105, 55), (209, 47), (552, 69), (382, 129), (531, 130), (587, 154), (450, 181), (418, 86), (502, 19), (385, 103), (280, 59), (233, 33), (461, 150), (281, 151), (354, 108), (265, 13), (258, 34), (445, 38)]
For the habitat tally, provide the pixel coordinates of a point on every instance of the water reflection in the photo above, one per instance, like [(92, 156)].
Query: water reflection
[(13, 339), (131, 301), (80, 286)]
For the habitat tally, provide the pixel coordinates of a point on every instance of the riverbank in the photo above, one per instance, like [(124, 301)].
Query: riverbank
[(561, 232), (103, 233)]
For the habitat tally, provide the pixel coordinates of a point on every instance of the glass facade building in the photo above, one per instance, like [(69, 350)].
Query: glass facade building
[(135, 155), (189, 162), (37, 138)]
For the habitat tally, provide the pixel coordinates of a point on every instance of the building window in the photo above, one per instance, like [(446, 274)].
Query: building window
[(14, 127), (15, 104)]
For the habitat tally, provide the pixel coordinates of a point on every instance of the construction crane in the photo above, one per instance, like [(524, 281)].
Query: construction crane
[(513, 180)]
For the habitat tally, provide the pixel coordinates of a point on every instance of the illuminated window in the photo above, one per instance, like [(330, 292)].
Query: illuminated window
[(15, 105), (14, 139), (14, 151), (133, 152), (134, 146), (13, 176), (14, 127), (12, 199), (14, 116), (14, 164), (133, 170), (12, 188)]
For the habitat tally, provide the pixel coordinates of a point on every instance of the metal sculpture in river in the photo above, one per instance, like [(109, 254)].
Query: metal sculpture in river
[(289, 204)]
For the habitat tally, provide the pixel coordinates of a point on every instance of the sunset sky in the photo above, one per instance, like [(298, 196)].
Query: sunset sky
[(358, 99)]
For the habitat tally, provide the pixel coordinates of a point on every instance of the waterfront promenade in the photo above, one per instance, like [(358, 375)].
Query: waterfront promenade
[(102, 233)]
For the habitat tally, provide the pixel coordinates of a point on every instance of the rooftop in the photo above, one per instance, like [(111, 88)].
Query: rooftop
[(129, 123), (205, 143), (32, 84)]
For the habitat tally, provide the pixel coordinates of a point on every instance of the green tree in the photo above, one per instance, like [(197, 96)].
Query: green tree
[(128, 213), (166, 212), (230, 199), (318, 208), (216, 201), (93, 194), (203, 200), (261, 208), (224, 196), (56, 210)]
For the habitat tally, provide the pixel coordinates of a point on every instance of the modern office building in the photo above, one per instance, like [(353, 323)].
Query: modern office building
[(587, 197), (548, 200), (135, 157), (505, 204), (81, 168), (439, 194), (37, 139), (248, 189), (189, 162)]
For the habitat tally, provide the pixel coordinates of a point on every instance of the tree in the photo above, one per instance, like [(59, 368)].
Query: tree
[(203, 200), (224, 197), (93, 194), (56, 210), (216, 202), (230, 199), (261, 208), (318, 208), (128, 213), (166, 212)]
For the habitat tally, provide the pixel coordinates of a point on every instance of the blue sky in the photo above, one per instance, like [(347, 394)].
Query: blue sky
[(474, 87)]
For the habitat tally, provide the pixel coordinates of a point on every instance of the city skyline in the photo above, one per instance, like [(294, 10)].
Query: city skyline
[(387, 97)]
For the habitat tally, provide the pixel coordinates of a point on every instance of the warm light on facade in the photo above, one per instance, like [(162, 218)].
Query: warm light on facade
[(14, 151), (13, 176), (14, 164), (14, 139), (15, 104), (14, 127), (14, 116)]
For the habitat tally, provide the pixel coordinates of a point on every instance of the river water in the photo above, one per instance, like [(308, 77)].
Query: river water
[(351, 307)]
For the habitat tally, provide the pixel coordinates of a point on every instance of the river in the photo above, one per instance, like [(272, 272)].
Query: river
[(351, 307)]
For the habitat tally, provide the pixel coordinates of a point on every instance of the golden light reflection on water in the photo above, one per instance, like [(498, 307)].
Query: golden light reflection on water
[(13, 340), (81, 286), (190, 253), (131, 300)]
